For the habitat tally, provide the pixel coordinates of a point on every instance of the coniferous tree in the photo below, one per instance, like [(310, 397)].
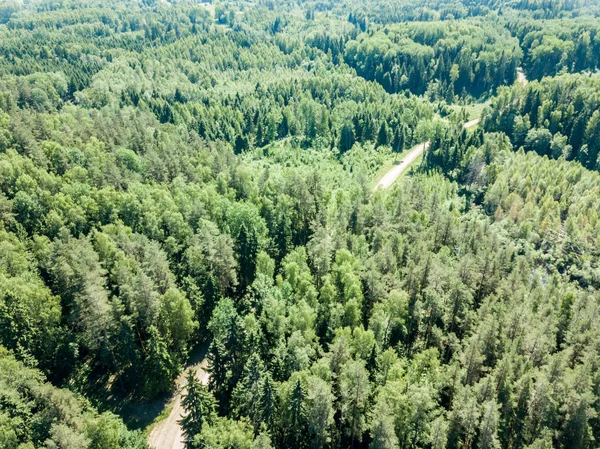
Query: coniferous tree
[(159, 369), (267, 404), (398, 140), (346, 138), (199, 407), (382, 135), (248, 391), (137, 221), (247, 252), (297, 416)]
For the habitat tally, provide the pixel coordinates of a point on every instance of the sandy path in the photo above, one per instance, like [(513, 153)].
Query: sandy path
[(521, 77), (167, 433), (472, 123), (397, 170), (391, 176)]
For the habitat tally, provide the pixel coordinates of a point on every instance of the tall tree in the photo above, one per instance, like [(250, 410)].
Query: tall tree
[(199, 406), (355, 389), (297, 416)]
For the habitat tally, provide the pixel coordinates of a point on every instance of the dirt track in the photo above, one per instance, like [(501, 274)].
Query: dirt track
[(393, 174), (521, 77), (167, 433)]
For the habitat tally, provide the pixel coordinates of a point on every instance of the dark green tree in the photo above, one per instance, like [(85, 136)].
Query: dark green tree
[(382, 135), (247, 250), (297, 417), (346, 138), (159, 369), (199, 406), (268, 404)]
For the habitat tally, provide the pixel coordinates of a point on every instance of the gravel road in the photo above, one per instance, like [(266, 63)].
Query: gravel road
[(391, 176), (167, 433)]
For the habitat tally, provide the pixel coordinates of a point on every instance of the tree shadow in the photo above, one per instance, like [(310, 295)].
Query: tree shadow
[(138, 413)]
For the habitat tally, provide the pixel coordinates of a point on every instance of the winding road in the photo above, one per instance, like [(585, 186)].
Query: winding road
[(167, 433), (393, 174)]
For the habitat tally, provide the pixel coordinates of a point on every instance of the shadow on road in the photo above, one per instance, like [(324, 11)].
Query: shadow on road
[(139, 414)]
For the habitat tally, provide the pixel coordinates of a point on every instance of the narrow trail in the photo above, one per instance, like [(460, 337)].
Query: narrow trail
[(394, 173), (521, 77), (167, 433)]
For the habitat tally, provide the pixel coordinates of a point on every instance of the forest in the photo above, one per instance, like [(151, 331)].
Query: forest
[(192, 188)]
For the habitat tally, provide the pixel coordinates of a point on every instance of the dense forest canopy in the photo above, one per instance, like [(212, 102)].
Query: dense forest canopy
[(459, 57), (182, 177)]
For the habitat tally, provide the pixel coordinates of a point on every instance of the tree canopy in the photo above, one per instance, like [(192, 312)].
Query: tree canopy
[(177, 175)]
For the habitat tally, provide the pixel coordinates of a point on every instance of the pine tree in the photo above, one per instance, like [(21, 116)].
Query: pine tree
[(438, 434), (488, 427), (199, 406), (355, 390)]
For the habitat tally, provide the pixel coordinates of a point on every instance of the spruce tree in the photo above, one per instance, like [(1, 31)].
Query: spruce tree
[(247, 393), (159, 369), (372, 365), (382, 135), (398, 140), (268, 403), (247, 250), (297, 415), (199, 406)]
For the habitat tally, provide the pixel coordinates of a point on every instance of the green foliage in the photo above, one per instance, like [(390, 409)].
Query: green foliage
[(229, 434), (414, 56), (554, 46), (33, 413), (159, 369), (199, 406), (557, 117), (180, 173)]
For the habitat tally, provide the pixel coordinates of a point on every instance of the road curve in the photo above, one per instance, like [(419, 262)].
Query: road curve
[(393, 174), (167, 433)]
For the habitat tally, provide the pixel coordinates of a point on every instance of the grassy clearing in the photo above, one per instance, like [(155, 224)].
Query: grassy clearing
[(473, 110)]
